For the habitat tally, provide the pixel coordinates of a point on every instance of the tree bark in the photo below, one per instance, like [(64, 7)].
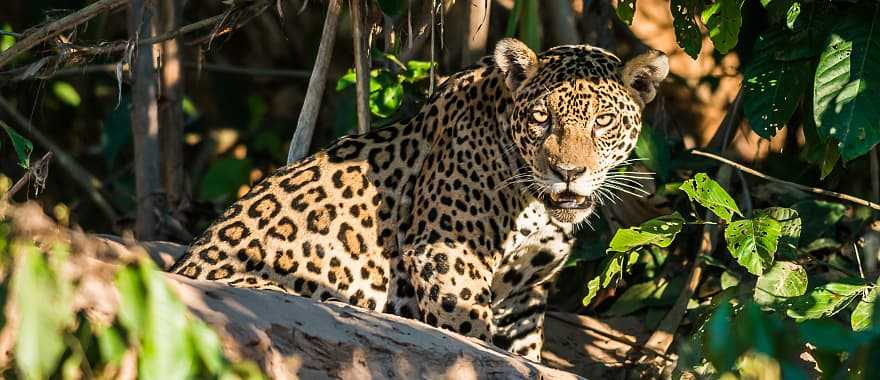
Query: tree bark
[(145, 123), (562, 26), (308, 115), (359, 11), (474, 48), (170, 110)]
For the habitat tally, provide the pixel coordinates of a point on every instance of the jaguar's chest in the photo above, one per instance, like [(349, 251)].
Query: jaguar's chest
[(533, 252)]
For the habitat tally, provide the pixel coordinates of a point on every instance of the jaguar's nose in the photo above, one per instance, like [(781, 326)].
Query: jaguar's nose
[(567, 172)]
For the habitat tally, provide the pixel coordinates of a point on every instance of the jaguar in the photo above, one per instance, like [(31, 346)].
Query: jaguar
[(459, 216)]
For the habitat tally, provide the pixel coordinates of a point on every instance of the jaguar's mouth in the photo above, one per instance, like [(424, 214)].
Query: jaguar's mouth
[(568, 200)]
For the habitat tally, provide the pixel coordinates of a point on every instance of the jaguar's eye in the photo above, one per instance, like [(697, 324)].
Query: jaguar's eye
[(604, 120), (539, 116)]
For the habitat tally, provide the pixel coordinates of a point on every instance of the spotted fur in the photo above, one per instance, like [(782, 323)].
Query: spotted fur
[(456, 216)]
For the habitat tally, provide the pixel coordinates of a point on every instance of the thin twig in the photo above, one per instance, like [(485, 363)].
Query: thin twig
[(110, 68), (54, 28), (308, 115), (798, 186), (23, 181), (80, 175)]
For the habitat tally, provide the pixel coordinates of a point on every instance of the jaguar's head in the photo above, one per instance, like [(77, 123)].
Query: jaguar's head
[(576, 116)]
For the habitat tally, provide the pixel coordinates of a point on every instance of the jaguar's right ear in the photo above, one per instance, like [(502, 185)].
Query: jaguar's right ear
[(516, 61)]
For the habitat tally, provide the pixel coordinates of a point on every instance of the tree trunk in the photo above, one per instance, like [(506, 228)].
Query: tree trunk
[(308, 115), (359, 11), (474, 48), (170, 110), (145, 123)]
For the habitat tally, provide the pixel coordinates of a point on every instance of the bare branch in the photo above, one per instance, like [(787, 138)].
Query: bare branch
[(38, 166), (308, 115), (798, 186), (54, 28)]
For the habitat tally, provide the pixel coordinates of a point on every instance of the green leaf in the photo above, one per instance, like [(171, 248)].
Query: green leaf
[(845, 100), (66, 93), (723, 20), (829, 335), (785, 279), (818, 218), (208, 346), (166, 351), (658, 231), (110, 343), (530, 26), (6, 41), (729, 280), (638, 296), (792, 14), (711, 195), (791, 229), (223, 178), (22, 146), (612, 268), (826, 300), (753, 242), (349, 79), (687, 32), (772, 89), (391, 8), (863, 316), (626, 9), (719, 339), (653, 148), (43, 313), (132, 300)]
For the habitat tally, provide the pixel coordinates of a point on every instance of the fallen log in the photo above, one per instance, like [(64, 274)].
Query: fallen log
[(289, 337)]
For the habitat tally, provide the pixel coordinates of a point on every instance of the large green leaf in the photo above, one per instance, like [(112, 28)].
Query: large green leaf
[(830, 335), (863, 315), (653, 148), (818, 219), (659, 231), (724, 21), (223, 179), (790, 224), (6, 41), (719, 339), (845, 95), (687, 32), (785, 279), (166, 351), (772, 89), (626, 9), (826, 300), (711, 195), (44, 312), (753, 242)]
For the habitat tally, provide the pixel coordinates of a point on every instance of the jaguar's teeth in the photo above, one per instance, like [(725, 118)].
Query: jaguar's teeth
[(580, 198), (554, 197)]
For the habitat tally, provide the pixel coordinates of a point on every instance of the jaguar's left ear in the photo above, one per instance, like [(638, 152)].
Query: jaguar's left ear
[(642, 74)]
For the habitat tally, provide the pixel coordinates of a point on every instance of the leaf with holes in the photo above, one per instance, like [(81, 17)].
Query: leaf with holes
[(711, 195), (826, 300), (863, 315), (626, 9), (845, 95), (785, 279), (753, 242), (723, 19), (772, 89), (790, 233), (658, 231), (687, 32)]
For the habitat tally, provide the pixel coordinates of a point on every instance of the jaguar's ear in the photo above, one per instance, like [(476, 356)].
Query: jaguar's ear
[(516, 61), (642, 74)]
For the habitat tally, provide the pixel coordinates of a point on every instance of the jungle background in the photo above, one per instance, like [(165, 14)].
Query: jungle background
[(706, 270)]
